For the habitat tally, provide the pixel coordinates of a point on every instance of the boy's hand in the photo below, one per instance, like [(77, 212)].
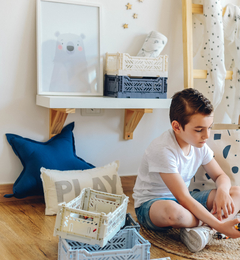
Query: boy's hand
[(228, 228), (223, 202)]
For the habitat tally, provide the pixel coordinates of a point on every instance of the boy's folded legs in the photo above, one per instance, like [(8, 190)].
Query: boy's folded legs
[(194, 238)]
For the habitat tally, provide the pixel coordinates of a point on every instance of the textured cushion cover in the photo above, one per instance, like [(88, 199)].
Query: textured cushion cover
[(153, 45), (60, 186), (226, 148), (57, 153)]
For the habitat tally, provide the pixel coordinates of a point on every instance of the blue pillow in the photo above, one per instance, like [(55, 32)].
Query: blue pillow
[(57, 153)]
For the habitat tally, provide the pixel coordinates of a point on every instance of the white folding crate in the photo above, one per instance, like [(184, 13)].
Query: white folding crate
[(126, 244), (122, 64), (93, 217)]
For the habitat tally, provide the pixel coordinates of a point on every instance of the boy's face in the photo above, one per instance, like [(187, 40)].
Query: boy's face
[(197, 131)]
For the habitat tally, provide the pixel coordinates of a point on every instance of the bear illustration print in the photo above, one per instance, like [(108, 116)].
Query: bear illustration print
[(70, 70)]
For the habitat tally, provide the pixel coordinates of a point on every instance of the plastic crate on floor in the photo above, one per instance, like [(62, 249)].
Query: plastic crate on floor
[(126, 87), (163, 258), (93, 217), (122, 64), (131, 223), (126, 244)]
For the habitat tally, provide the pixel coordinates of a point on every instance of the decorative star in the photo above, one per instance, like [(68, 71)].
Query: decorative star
[(129, 6), (125, 26), (140, 0), (135, 16)]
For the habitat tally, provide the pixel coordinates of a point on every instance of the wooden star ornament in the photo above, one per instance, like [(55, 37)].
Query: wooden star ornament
[(135, 16), (125, 26), (129, 6)]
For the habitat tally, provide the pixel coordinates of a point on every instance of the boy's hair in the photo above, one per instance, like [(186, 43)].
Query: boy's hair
[(186, 103)]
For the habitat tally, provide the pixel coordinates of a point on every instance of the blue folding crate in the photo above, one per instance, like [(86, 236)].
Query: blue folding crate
[(126, 87), (126, 244)]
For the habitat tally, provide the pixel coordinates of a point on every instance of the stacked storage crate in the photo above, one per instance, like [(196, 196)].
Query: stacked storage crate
[(95, 225), (136, 77)]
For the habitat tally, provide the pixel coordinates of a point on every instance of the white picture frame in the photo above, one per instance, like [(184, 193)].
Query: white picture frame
[(69, 58)]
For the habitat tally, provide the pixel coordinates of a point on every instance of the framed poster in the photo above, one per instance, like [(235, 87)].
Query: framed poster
[(69, 59)]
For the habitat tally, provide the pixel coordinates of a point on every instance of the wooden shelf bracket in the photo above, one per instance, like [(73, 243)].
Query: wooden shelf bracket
[(57, 119), (132, 118)]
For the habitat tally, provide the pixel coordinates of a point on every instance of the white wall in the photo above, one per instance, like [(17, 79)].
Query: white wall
[(99, 140)]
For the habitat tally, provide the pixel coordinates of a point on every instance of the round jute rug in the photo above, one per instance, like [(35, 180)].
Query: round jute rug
[(170, 242)]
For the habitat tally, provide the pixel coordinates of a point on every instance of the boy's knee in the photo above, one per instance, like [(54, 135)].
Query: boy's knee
[(235, 191), (174, 213), (167, 212)]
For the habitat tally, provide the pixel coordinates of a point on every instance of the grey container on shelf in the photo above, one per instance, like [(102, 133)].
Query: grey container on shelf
[(126, 87)]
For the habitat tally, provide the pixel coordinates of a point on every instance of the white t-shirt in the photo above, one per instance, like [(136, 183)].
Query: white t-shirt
[(165, 155)]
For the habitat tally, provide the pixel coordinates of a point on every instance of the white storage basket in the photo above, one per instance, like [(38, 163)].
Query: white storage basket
[(93, 217), (126, 244), (122, 64)]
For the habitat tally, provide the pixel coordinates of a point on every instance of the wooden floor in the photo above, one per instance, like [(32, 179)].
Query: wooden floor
[(26, 233)]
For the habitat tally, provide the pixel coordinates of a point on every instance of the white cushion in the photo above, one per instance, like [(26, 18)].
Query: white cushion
[(226, 148), (60, 186), (153, 45)]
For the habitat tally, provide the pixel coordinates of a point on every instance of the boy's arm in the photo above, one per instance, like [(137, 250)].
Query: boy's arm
[(180, 191), (222, 201)]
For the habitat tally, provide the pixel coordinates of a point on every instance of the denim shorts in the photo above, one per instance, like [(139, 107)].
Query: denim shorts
[(142, 212)]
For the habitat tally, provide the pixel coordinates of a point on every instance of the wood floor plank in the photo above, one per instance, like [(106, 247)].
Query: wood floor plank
[(8, 189), (26, 233)]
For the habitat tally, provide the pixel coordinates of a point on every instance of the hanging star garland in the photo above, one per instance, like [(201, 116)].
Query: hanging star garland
[(135, 16)]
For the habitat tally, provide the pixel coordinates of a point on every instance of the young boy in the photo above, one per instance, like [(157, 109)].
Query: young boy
[(161, 196)]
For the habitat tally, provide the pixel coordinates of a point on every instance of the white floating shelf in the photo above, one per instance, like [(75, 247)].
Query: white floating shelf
[(100, 102)]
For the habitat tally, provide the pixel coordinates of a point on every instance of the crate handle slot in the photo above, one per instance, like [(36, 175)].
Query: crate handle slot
[(78, 216), (71, 227), (104, 197)]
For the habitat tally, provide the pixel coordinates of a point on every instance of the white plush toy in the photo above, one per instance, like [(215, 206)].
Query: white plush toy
[(153, 45)]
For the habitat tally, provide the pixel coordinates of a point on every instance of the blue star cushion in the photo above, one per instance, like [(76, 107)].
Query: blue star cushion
[(57, 153)]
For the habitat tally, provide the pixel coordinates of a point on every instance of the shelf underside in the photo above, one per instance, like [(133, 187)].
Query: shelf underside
[(100, 102)]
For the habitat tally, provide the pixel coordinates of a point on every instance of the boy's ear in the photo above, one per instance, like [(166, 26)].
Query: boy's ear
[(176, 126)]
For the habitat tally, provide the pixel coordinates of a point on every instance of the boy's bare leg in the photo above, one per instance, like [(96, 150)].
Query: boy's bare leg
[(164, 213), (234, 193)]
